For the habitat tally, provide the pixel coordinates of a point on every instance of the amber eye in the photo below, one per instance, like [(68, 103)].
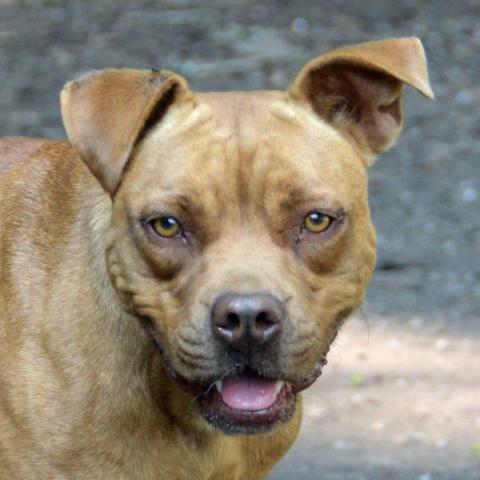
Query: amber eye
[(166, 226), (316, 222)]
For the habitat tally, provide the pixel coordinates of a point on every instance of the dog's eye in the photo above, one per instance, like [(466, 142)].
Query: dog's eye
[(166, 227), (316, 222)]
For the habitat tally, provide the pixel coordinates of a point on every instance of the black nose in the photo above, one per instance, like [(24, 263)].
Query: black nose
[(244, 321)]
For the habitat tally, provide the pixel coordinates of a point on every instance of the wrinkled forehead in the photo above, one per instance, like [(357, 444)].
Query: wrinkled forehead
[(247, 144)]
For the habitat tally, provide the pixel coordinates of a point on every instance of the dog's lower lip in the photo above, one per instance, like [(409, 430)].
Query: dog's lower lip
[(247, 421)]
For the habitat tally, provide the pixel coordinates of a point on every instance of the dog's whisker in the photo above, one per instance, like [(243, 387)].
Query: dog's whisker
[(226, 374), (199, 366)]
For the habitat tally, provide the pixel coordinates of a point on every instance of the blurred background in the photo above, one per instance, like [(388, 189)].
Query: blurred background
[(400, 398)]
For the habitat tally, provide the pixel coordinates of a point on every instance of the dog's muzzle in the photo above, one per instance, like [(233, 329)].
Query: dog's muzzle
[(252, 396)]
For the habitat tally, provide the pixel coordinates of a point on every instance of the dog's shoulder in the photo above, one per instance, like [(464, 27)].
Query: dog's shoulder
[(44, 184), (15, 152), (36, 165)]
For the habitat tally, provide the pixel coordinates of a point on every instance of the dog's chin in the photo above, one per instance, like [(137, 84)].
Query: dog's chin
[(246, 403)]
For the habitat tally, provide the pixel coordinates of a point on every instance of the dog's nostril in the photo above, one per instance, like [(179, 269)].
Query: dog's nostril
[(264, 320), (232, 321)]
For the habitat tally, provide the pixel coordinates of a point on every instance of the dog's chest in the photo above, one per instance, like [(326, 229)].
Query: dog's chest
[(181, 459)]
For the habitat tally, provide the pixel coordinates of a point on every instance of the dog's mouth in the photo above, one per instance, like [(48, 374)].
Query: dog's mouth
[(246, 402)]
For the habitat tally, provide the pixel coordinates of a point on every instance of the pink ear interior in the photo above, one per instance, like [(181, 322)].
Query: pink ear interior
[(365, 101)]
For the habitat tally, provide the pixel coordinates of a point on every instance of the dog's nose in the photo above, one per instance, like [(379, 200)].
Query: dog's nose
[(244, 321)]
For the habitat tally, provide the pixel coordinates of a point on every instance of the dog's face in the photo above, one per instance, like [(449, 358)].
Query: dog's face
[(241, 235), (246, 239)]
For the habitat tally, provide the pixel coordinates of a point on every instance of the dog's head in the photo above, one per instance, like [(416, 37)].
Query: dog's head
[(241, 235)]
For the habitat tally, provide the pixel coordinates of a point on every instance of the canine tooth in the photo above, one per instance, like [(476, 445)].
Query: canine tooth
[(278, 386), (219, 385)]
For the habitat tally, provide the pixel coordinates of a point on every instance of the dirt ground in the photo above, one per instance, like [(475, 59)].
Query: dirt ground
[(400, 398)]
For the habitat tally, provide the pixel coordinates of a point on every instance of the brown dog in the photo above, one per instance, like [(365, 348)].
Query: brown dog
[(159, 317)]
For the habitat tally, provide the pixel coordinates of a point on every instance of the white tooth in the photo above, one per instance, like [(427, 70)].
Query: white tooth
[(219, 385), (278, 386)]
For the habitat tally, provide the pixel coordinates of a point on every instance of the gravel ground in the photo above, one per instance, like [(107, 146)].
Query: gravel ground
[(401, 396)]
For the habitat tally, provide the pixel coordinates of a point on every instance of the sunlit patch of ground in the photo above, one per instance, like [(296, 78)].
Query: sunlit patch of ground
[(395, 402)]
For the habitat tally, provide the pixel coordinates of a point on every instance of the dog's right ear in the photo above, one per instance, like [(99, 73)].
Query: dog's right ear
[(106, 113)]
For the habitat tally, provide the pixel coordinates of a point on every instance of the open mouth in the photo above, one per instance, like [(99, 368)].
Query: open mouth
[(247, 403)]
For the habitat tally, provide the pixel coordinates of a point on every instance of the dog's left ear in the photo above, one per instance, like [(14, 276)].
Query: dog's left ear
[(358, 88), (107, 112)]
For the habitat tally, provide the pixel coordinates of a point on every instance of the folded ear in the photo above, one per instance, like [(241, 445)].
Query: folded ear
[(107, 112), (358, 88)]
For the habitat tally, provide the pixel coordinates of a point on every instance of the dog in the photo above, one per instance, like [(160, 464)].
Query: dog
[(173, 275)]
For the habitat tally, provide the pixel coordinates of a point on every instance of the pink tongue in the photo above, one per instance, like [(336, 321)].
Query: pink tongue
[(248, 393)]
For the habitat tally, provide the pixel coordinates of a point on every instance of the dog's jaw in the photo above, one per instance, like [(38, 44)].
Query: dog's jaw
[(242, 403)]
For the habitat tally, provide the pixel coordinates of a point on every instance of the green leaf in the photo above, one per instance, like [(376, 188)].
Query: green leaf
[(357, 379)]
